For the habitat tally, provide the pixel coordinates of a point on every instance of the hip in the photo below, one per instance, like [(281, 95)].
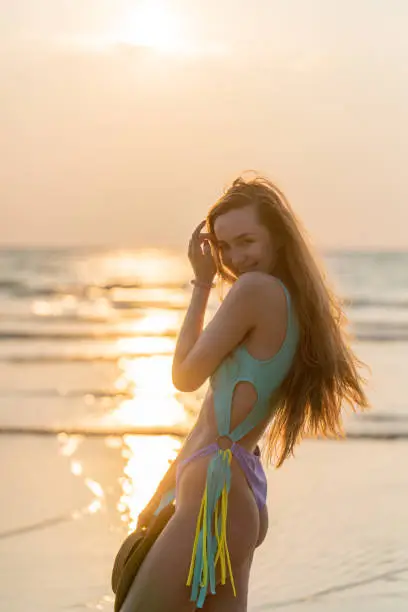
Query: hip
[(247, 521)]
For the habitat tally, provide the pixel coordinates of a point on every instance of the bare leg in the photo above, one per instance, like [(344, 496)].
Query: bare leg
[(160, 585), (224, 600)]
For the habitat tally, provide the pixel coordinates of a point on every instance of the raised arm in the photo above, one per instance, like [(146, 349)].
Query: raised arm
[(198, 353)]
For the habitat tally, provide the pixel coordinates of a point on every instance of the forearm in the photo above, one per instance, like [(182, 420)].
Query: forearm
[(192, 325)]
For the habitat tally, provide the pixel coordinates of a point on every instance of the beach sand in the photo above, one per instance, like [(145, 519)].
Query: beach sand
[(338, 536)]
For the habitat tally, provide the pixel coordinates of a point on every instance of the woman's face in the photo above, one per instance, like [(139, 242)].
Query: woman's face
[(244, 244)]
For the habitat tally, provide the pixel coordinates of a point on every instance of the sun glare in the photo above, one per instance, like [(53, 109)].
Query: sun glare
[(154, 401), (154, 26), (147, 460)]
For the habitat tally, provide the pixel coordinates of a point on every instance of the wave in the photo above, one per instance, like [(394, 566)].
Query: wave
[(102, 353), (74, 393), (60, 358), (369, 336), (380, 332), (85, 335), (136, 305), (378, 435), (80, 317), (21, 289), (167, 286), (44, 319), (375, 302), (86, 290), (383, 417), (9, 286), (180, 432), (381, 337), (176, 431)]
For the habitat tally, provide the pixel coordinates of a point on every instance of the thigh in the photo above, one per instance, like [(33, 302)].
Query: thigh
[(160, 585), (224, 599), (243, 522)]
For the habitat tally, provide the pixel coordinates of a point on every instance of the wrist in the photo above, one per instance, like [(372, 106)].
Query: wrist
[(202, 283)]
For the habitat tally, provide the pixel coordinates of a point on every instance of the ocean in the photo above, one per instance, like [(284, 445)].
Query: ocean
[(86, 343), (84, 333)]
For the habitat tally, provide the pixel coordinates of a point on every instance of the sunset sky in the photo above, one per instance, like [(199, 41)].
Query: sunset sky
[(122, 121)]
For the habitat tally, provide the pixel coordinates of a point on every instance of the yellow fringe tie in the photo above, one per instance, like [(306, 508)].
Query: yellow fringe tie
[(205, 537)]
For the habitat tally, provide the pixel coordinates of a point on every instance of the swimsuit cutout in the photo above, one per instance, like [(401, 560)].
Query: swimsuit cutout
[(266, 376)]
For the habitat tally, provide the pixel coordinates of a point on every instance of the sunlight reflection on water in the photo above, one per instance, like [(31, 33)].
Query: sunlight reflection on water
[(146, 397), (147, 460), (147, 457)]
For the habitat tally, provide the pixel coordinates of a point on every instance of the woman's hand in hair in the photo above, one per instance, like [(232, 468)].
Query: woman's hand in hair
[(200, 255)]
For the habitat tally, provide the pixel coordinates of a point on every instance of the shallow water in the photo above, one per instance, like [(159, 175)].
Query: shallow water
[(87, 337)]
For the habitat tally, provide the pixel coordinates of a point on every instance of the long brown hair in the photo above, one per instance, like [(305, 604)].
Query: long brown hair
[(324, 373)]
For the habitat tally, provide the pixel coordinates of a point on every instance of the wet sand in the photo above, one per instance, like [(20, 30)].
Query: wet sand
[(338, 537)]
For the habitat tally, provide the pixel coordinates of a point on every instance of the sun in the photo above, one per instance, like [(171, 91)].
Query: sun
[(153, 25)]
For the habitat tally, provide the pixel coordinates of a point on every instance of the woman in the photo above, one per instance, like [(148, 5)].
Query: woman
[(278, 361)]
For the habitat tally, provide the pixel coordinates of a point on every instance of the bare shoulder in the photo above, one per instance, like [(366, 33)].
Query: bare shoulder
[(247, 308), (257, 279), (268, 334), (264, 289)]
